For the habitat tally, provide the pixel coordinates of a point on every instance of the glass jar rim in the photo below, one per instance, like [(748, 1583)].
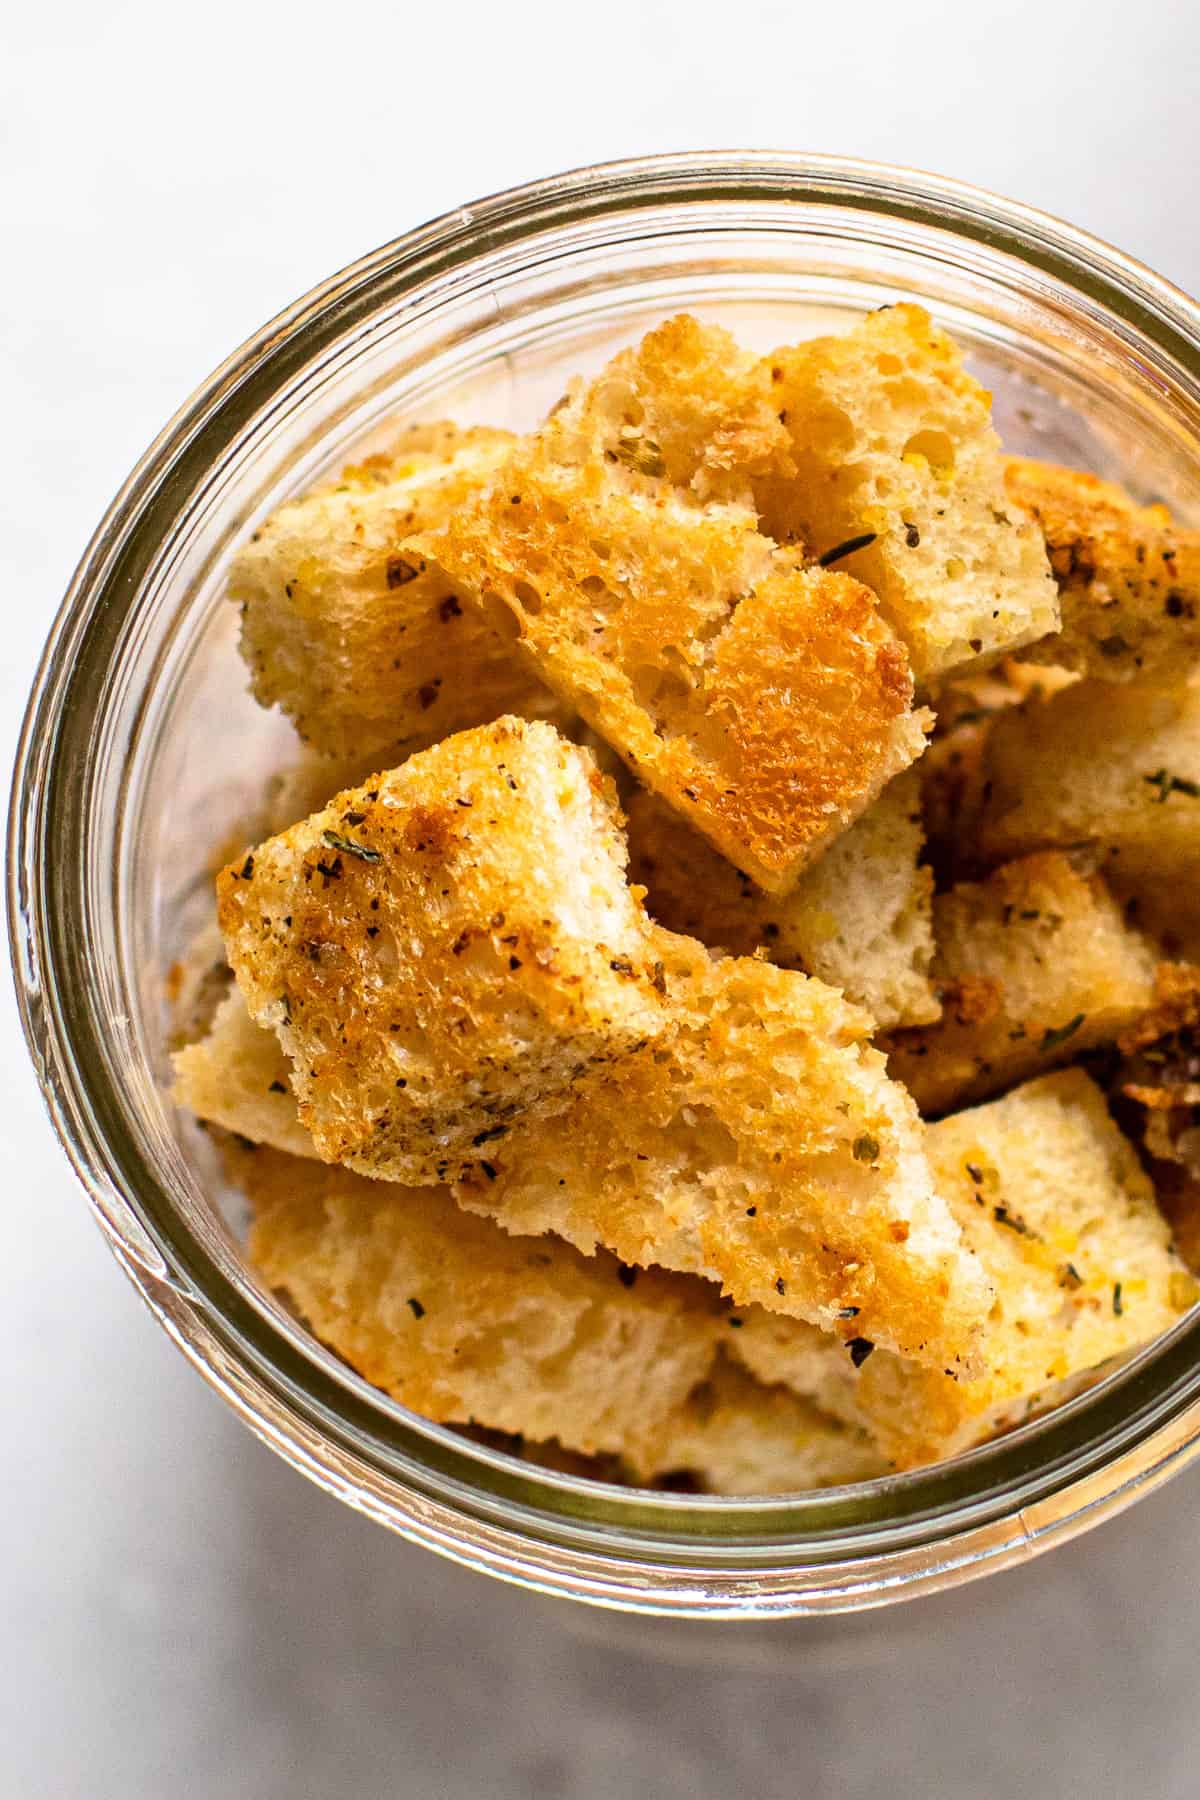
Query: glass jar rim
[(647, 1551)]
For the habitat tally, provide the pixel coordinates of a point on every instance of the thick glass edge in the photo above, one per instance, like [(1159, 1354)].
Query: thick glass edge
[(264, 361)]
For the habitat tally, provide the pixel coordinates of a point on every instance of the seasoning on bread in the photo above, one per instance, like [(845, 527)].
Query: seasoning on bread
[(1115, 766), (363, 647), (238, 1076), (1128, 577), (897, 475), (1034, 965), (859, 918), (1056, 1206), (446, 949), (766, 701), (464, 1323), (760, 1143)]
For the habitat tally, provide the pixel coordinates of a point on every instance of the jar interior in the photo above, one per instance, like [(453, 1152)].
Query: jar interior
[(184, 752)]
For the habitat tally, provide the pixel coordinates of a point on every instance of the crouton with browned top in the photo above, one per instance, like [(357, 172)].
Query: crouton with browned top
[(758, 1142), (896, 473), (445, 950)]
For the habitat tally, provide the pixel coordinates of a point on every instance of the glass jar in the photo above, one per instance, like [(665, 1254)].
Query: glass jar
[(141, 740)]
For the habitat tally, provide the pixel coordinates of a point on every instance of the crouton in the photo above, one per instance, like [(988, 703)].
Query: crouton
[(740, 1437), (1033, 965), (445, 949), (1128, 577), (363, 647), (1055, 1204), (1156, 1078), (686, 403), (897, 472), (1113, 765), (766, 702), (195, 985), (859, 918), (239, 1077), (952, 769), (759, 1143), (463, 1323)]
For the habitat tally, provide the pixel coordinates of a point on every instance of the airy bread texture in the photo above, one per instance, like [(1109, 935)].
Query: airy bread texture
[(1128, 576), (767, 702), (741, 1437), (363, 647), (1056, 1206), (860, 918), (446, 949), (1113, 765), (892, 441), (1033, 965), (238, 1076), (465, 1324), (759, 1143), (687, 403)]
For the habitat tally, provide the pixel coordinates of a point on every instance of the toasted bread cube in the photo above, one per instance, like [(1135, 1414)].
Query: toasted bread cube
[(464, 1324), (860, 918), (767, 703), (1060, 1213), (892, 442), (1116, 766), (364, 648), (741, 1437), (239, 1077), (952, 770), (1033, 965), (759, 1143), (686, 403), (1128, 576), (445, 949)]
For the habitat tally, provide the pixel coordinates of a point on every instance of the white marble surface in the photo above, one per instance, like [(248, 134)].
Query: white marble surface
[(180, 1613)]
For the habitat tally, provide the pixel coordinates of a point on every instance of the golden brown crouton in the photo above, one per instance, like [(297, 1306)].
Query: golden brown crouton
[(1055, 1204), (445, 949), (765, 702), (1115, 766), (952, 770), (1033, 965), (239, 1077), (898, 471), (686, 403), (1128, 576), (363, 647), (759, 1143), (463, 1323), (740, 1437), (859, 918)]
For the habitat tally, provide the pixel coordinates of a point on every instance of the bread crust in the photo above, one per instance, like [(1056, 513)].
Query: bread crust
[(1128, 576)]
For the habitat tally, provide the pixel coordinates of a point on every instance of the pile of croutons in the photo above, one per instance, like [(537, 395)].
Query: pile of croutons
[(724, 1015)]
